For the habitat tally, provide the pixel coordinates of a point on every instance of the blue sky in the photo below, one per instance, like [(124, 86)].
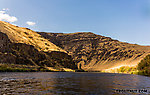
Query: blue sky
[(125, 20)]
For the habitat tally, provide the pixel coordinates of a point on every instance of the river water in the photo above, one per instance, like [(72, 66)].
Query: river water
[(70, 83)]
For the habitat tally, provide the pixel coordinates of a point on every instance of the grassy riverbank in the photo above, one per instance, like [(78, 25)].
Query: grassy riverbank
[(128, 70), (28, 68), (20, 68)]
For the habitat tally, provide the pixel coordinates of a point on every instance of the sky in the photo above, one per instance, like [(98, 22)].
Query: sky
[(124, 20)]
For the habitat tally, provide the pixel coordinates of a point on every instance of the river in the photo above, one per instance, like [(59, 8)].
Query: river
[(73, 83)]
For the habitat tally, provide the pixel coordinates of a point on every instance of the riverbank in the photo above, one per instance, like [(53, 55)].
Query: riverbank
[(29, 68), (126, 70)]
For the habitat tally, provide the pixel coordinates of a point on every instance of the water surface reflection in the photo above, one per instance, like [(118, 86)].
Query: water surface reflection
[(67, 83)]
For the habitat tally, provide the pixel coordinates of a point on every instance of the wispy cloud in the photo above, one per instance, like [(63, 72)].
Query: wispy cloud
[(30, 23), (6, 17)]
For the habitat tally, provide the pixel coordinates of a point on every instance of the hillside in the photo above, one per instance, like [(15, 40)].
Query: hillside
[(96, 52), (25, 47), (24, 35), (83, 50)]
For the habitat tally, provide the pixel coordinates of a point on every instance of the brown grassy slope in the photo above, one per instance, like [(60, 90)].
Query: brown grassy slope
[(24, 35), (15, 50), (96, 52), (23, 54)]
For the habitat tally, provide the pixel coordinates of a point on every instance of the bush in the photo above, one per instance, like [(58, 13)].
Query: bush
[(127, 69), (144, 65)]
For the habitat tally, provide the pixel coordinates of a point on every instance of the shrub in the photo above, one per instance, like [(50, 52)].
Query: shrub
[(144, 65)]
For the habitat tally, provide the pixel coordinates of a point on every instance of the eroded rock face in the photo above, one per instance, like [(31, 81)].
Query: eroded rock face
[(95, 52), (5, 57), (27, 54), (4, 42)]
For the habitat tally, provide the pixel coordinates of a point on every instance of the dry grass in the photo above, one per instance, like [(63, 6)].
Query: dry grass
[(27, 36)]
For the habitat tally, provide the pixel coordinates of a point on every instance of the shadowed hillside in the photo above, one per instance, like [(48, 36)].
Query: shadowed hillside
[(14, 49), (96, 52)]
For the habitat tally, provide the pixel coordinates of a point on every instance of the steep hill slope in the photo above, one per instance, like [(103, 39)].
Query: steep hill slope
[(24, 35), (96, 52), (26, 47)]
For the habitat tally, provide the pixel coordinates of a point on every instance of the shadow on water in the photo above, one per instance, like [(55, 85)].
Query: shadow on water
[(65, 83)]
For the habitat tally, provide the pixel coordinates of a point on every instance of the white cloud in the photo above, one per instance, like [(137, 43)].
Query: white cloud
[(5, 9), (30, 23), (2, 12), (7, 17)]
